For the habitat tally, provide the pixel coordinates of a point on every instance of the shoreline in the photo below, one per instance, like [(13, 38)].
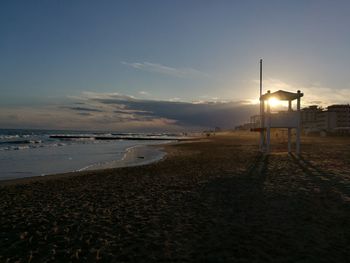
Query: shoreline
[(134, 156)]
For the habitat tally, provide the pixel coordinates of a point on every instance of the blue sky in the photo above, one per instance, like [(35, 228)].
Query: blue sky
[(54, 54)]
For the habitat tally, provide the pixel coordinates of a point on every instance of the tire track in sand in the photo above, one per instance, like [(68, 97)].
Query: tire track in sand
[(327, 180)]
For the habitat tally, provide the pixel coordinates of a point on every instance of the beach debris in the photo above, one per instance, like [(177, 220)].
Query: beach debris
[(77, 253), (55, 229), (30, 256), (23, 235), (98, 257)]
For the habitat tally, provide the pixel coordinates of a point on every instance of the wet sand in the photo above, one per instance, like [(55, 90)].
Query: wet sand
[(134, 156), (215, 200)]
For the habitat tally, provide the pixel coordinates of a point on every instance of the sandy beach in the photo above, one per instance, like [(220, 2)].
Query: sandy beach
[(212, 200)]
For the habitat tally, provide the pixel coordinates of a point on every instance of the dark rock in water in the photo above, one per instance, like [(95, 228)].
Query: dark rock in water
[(141, 157)]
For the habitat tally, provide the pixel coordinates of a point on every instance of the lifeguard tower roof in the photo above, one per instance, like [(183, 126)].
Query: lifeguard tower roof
[(282, 95)]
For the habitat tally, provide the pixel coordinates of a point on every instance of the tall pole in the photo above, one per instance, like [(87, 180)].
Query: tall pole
[(261, 77)]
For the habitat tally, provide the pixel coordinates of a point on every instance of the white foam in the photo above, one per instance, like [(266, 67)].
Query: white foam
[(71, 157)]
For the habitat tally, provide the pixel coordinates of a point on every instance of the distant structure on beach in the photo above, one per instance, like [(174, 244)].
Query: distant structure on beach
[(288, 120)]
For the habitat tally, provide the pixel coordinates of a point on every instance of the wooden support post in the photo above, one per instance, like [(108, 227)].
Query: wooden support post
[(289, 129), (299, 126), (289, 140), (262, 125), (268, 129)]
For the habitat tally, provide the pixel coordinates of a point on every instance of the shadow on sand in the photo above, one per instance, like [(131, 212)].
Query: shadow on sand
[(278, 211)]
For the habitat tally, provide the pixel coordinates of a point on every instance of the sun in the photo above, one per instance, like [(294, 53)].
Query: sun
[(274, 102)]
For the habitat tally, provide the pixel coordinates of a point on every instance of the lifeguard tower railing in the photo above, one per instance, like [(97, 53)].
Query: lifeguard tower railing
[(282, 119)]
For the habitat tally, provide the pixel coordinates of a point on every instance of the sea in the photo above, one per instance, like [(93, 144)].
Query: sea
[(28, 153)]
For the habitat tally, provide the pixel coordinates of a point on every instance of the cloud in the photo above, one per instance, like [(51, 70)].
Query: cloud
[(86, 95), (185, 114), (84, 113), (325, 96), (121, 112), (144, 93), (64, 118), (82, 109), (118, 112), (174, 99), (274, 84), (315, 93), (166, 70)]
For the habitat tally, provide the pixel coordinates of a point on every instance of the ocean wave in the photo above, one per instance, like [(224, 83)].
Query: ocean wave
[(20, 148), (21, 142), (14, 136)]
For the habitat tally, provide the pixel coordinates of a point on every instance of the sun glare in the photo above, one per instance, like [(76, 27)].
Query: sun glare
[(274, 102)]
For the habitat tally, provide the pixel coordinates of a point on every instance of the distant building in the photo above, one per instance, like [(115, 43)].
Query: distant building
[(334, 120), (244, 127), (255, 121), (313, 119), (338, 116)]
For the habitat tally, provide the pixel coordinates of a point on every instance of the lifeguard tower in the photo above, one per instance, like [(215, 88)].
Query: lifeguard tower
[(290, 119)]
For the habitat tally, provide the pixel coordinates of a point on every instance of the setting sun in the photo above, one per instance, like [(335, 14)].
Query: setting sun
[(274, 102)]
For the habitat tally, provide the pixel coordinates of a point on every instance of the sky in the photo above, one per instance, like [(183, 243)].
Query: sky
[(165, 65)]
